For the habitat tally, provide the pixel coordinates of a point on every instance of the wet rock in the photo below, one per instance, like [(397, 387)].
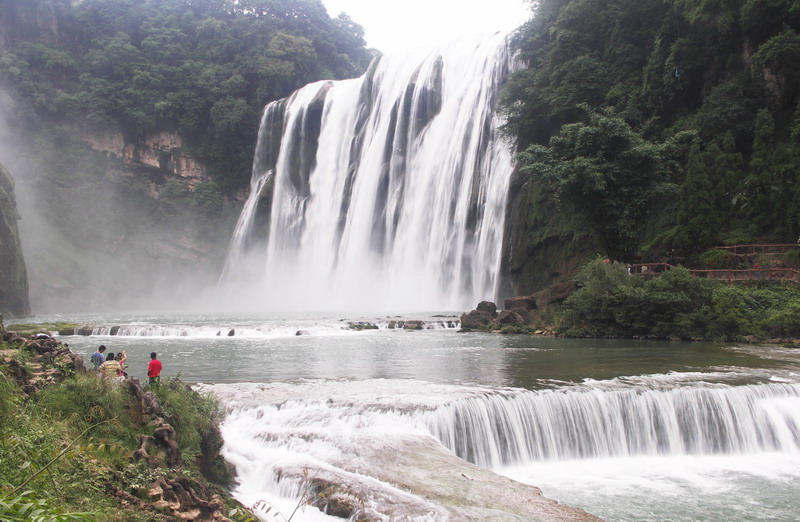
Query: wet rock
[(510, 317), (84, 330), (67, 331), (413, 325), (361, 325), (476, 319), (232, 332), (301, 332), (78, 363), (487, 307), (114, 330)]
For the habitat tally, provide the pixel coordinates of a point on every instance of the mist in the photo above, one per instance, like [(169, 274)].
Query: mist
[(94, 236)]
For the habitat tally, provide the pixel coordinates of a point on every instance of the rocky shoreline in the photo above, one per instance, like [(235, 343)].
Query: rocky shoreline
[(41, 361)]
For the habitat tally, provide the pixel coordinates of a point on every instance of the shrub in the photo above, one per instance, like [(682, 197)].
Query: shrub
[(716, 258), (194, 417), (792, 257)]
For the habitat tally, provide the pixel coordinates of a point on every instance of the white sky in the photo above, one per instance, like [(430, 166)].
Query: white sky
[(396, 26)]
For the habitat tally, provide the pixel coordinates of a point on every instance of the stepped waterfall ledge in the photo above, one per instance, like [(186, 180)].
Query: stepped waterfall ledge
[(383, 192)]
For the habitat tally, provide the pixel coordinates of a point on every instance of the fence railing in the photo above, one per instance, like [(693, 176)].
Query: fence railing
[(766, 248), (763, 274)]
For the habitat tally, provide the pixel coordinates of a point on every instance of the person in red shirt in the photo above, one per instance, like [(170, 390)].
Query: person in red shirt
[(154, 370)]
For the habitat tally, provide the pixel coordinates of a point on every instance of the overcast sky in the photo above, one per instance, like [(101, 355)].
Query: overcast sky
[(394, 26)]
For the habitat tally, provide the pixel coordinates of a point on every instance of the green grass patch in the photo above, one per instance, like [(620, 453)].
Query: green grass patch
[(34, 328)]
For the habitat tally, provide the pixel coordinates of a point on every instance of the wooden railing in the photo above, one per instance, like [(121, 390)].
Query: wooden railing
[(759, 248), (754, 274), (648, 268)]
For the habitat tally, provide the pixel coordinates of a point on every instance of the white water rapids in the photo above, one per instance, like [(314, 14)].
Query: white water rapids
[(383, 192), (358, 431)]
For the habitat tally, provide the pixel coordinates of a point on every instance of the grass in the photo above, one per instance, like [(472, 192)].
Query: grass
[(66, 451), (34, 328)]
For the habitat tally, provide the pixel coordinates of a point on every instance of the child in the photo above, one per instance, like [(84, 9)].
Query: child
[(154, 370)]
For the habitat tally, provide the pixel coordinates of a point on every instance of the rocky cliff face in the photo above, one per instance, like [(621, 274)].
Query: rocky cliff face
[(542, 249), (159, 152), (13, 276)]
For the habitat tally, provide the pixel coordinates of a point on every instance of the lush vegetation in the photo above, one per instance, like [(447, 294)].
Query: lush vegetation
[(661, 124), (66, 450), (609, 302), (204, 68)]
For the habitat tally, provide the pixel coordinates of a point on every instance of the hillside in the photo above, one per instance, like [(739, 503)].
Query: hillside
[(650, 128), (130, 127)]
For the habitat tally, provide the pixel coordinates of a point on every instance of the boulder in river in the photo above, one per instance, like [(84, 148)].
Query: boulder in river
[(476, 319), (487, 307)]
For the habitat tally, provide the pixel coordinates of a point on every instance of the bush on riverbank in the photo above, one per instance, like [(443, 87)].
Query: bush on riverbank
[(89, 449), (676, 305)]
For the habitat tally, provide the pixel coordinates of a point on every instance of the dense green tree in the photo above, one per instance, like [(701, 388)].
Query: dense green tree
[(203, 67), (697, 223), (607, 175), (725, 69)]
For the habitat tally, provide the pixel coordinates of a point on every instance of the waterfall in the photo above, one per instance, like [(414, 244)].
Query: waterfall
[(505, 429), (383, 192)]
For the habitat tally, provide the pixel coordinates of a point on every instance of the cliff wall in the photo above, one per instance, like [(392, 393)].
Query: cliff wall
[(13, 276)]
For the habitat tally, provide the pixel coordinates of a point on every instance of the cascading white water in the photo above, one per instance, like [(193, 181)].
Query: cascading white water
[(361, 429), (383, 192), (499, 430)]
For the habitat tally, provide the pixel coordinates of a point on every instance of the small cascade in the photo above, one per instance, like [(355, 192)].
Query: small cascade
[(360, 433), (382, 192), (517, 428)]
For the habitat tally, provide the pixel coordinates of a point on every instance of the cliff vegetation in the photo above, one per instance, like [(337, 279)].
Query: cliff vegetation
[(204, 68), (77, 446), (652, 126)]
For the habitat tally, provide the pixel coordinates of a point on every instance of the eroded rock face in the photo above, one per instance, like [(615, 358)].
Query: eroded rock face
[(418, 478), (476, 319), (487, 307), (13, 274), (523, 303), (163, 150), (49, 364), (510, 317)]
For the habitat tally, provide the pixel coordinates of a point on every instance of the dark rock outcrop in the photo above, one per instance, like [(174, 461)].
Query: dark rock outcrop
[(510, 317), (515, 319), (521, 304), (13, 275), (50, 363), (487, 307), (476, 319)]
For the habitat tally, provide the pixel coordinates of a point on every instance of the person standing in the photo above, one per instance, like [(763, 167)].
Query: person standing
[(121, 358), (97, 357), (154, 369), (110, 368)]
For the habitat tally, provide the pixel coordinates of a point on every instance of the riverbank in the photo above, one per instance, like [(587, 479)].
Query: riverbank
[(80, 446), (607, 301)]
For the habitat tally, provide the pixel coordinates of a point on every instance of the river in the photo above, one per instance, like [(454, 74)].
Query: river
[(627, 430)]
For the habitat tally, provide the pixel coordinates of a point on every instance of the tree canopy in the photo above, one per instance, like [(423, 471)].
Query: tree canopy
[(204, 68), (726, 70)]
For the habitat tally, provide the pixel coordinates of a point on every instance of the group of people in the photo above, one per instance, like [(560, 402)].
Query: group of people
[(113, 365)]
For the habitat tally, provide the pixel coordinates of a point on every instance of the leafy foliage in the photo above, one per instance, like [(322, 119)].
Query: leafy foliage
[(206, 68), (607, 175), (611, 303), (663, 68)]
